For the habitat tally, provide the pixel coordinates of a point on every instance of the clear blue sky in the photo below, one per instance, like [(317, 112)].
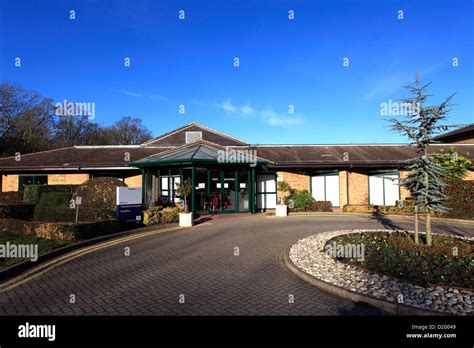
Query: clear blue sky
[(282, 62)]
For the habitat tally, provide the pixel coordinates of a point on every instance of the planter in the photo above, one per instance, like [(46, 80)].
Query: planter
[(281, 210), (186, 219)]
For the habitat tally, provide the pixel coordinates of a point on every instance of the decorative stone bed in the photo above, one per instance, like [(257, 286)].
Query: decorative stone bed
[(308, 255)]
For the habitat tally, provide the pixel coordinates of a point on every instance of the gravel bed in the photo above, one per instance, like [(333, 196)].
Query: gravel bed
[(308, 255)]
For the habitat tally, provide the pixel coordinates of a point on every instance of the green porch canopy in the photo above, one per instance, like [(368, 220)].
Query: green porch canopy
[(223, 178), (201, 153)]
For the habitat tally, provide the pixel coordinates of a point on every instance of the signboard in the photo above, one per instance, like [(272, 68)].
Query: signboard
[(129, 204), (129, 195)]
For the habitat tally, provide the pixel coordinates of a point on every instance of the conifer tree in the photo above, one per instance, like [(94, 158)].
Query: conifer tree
[(421, 123)]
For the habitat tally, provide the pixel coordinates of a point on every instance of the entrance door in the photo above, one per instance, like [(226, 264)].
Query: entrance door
[(215, 191), (229, 192), (223, 188)]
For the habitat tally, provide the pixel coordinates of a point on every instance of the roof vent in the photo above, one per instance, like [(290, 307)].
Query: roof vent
[(191, 137)]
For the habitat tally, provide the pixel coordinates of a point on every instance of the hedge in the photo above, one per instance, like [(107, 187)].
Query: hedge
[(152, 216), (70, 231), (402, 208), (157, 215), (460, 194), (11, 197), (32, 193), (66, 214), (58, 199), (320, 206), (99, 193), (21, 211)]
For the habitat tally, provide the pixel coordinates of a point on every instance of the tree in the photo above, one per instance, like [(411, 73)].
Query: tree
[(184, 189), (77, 130), (26, 120), (127, 131), (421, 124), (454, 165)]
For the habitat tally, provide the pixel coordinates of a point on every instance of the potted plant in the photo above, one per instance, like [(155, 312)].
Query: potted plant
[(284, 189), (184, 189)]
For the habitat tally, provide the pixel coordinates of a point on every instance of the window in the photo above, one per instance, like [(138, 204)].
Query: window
[(31, 180), (384, 188), (266, 191), (191, 137), (325, 187)]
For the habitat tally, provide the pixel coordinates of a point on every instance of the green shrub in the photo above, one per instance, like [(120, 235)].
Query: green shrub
[(66, 214), (58, 199), (320, 206), (302, 200), (11, 197), (401, 208), (169, 215), (152, 216), (397, 255), (460, 199), (99, 193), (32, 193), (21, 211), (70, 231)]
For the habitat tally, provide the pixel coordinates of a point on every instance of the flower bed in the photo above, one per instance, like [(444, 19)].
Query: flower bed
[(447, 262), (310, 256)]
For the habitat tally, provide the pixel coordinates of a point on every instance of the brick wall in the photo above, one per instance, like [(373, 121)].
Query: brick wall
[(343, 176), (67, 179), (469, 175), (404, 192), (9, 183), (134, 181), (358, 187), (297, 181)]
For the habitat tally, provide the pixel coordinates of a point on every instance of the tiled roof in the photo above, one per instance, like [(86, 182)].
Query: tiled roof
[(80, 157)]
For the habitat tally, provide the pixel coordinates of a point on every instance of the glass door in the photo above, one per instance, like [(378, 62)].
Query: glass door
[(229, 191), (215, 191)]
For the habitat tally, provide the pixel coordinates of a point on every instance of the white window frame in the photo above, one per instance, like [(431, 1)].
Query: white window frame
[(385, 178)]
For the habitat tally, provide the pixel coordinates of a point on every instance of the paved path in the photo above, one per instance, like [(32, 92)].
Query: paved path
[(200, 264)]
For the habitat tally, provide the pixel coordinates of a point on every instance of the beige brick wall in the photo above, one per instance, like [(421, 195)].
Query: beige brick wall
[(67, 179), (134, 181), (9, 183), (404, 192), (297, 181), (358, 187), (469, 175), (343, 176)]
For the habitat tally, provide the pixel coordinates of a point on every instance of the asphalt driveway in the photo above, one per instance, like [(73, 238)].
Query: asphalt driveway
[(227, 266)]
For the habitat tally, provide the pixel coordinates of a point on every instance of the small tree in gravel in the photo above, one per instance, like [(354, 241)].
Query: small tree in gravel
[(421, 124)]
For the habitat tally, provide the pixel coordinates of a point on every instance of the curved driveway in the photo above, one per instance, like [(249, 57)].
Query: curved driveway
[(199, 263)]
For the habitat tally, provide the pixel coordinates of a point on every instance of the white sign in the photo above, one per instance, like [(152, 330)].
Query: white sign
[(242, 185), (218, 185), (201, 185), (226, 185), (78, 200), (129, 195)]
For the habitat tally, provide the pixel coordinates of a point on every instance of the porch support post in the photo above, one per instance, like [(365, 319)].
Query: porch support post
[(143, 186), (254, 195), (193, 175)]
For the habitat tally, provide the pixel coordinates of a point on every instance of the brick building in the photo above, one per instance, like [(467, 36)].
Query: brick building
[(230, 175)]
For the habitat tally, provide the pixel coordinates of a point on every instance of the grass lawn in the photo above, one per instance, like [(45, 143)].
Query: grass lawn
[(44, 246)]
